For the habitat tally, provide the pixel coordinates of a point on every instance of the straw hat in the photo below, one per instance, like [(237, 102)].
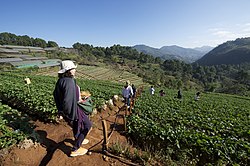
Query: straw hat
[(127, 82), (85, 94), (66, 65)]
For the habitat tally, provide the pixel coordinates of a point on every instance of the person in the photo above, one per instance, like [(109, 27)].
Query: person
[(179, 94), (127, 93), (134, 90), (162, 93), (197, 96), (152, 90), (66, 95)]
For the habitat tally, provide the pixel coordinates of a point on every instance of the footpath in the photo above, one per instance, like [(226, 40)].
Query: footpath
[(56, 141)]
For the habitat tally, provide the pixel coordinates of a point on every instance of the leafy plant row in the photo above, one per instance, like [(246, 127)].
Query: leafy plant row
[(14, 126), (214, 129), (37, 97)]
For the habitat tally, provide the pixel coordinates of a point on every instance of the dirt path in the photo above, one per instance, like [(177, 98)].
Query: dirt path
[(56, 141)]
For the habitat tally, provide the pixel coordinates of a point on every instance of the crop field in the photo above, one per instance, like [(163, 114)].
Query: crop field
[(13, 88), (215, 129), (10, 123), (36, 99)]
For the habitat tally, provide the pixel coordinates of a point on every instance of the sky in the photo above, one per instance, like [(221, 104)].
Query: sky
[(103, 23)]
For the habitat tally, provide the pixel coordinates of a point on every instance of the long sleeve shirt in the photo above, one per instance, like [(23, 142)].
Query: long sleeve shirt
[(65, 97), (127, 92)]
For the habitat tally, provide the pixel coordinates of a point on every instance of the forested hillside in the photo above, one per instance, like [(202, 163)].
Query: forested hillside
[(12, 39), (230, 52), (226, 78)]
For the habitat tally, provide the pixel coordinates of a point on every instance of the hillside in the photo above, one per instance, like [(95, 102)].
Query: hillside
[(117, 59), (230, 52), (99, 73)]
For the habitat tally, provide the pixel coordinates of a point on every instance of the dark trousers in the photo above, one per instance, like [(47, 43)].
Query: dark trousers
[(127, 101), (80, 130)]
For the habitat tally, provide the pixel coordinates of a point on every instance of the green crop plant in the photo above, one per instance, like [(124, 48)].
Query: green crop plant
[(212, 130)]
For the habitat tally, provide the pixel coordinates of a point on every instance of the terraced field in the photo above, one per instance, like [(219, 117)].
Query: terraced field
[(101, 73)]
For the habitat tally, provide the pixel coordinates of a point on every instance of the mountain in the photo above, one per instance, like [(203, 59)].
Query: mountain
[(204, 49), (148, 50), (187, 55), (230, 52)]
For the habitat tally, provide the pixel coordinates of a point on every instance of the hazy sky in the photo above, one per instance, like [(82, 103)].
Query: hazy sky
[(156, 23)]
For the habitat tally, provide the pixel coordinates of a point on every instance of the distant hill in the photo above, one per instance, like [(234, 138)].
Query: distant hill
[(230, 52), (204, 49), (153, 51), (188, 55)]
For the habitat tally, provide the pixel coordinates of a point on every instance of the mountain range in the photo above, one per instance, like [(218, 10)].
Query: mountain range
[(187, 55), (231, 52)]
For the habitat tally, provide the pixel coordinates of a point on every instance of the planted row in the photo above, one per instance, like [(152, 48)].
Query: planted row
[(14, 126), (211, 130), (37, 97)]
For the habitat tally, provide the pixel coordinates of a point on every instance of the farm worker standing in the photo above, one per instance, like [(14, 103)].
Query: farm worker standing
[(127, 93), (66, 96), (179, 94), (134, 90), (151, 90), (162, 93), (197, 96)]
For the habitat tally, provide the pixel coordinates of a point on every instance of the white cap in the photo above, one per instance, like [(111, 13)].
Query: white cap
[(66, 65)]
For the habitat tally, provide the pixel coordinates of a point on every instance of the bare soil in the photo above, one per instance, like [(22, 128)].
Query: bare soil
[(56, 142)]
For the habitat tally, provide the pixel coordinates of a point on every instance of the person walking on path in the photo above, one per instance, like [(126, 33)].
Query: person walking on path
[(66, 95), (127, 93)]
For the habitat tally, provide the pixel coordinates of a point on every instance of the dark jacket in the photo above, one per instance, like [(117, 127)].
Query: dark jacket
[(65, 98)]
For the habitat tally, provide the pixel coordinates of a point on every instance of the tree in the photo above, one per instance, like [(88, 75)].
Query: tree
[(158, 60), (25, 41), (52, 44), (39, 43), (8, 38)]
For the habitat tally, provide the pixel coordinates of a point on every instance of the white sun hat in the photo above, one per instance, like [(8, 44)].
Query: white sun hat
[(66, 65)]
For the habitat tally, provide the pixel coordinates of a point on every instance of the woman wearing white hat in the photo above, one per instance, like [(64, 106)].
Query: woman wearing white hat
[(66, 95)]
